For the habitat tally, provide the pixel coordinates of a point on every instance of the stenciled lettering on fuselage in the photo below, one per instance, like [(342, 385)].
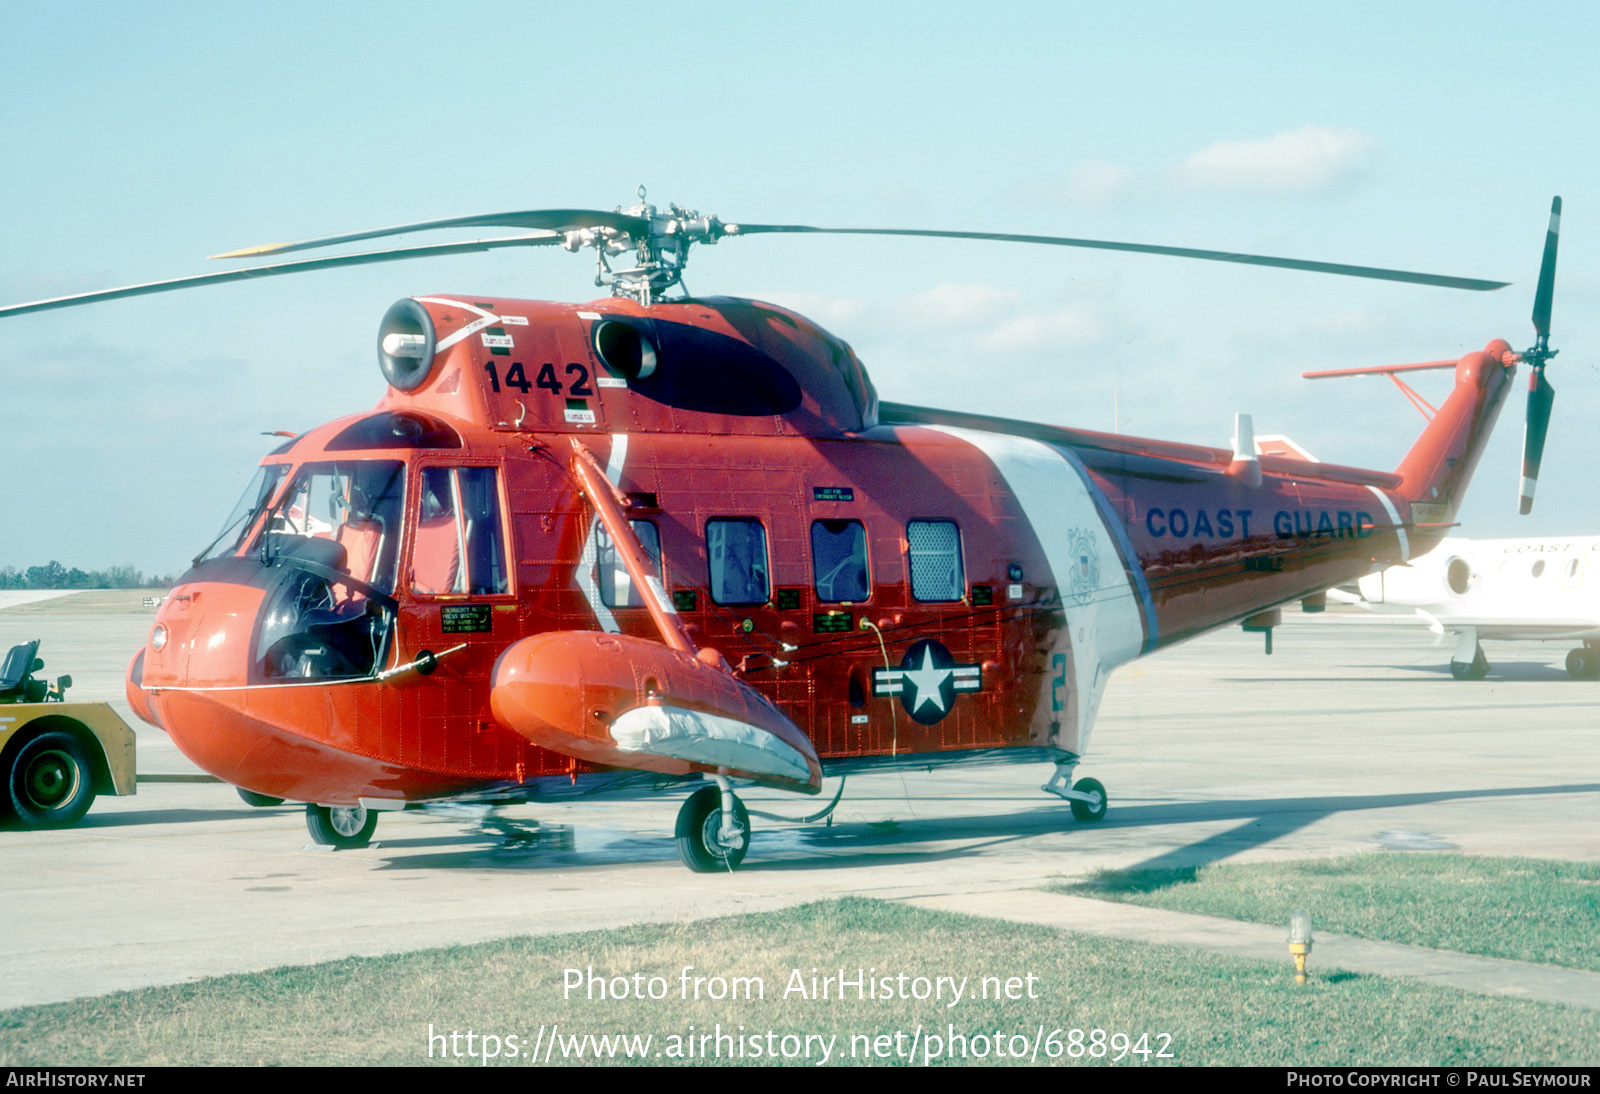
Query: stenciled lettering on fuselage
[(927, 681), (1202, 523)]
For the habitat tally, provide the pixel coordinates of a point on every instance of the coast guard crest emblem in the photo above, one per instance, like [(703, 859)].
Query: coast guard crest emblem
[(1083, 578)]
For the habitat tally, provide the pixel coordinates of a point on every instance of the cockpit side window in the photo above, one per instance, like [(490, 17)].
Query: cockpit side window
[(459, 546)]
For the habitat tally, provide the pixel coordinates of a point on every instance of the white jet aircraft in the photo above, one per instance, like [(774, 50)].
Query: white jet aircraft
[(1510, 589)]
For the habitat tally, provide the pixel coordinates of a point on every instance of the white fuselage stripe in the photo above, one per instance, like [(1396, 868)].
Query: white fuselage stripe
[(1103, 627), (1394, 518), (587, 577), (484, 319)]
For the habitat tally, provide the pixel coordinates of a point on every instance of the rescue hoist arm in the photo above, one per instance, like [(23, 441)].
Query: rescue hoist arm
[(608, 503)]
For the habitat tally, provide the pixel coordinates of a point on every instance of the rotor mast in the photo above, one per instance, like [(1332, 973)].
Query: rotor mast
[(661, 244)]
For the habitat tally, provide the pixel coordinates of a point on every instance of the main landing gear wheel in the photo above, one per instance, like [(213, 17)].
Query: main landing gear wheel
[(700, 842), (1476, 669), (1095, 808), (1583, 664), (259, 801), (341, 826), (51, 782)]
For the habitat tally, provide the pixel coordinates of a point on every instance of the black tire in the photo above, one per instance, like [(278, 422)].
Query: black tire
[(51, 782), (1090, 811), (700, 843), (1476, 669), (342, 826), (259, 801), (1583, 664)]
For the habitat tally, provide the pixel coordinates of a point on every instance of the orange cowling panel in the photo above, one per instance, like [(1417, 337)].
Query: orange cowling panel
[(629, 702)]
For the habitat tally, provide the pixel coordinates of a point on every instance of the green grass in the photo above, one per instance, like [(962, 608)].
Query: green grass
[(1215, 1010), (90, 602), (1535, 910)]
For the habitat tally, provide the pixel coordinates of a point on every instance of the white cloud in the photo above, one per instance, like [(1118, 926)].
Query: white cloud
[(1098, 182), (1044, 331), (1306, 160), (950, 305)]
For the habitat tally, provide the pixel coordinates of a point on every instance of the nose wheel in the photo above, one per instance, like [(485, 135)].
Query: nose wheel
[(713, 830)]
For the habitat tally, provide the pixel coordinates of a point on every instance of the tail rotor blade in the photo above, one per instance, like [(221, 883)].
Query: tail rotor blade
[(1547, 274), (1541, 396)]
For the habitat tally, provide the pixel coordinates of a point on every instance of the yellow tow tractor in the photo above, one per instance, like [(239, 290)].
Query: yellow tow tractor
[(56, 756)]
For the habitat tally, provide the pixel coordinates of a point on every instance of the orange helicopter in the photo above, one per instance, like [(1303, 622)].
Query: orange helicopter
[(654, 542)]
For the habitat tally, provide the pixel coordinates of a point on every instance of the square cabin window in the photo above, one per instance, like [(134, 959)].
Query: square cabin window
[(934, 550), (616, 585), (839, 561), (736, 551)]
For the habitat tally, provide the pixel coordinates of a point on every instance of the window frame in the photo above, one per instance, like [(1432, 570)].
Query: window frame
[(766, 562), (866, 561), (503, 517)]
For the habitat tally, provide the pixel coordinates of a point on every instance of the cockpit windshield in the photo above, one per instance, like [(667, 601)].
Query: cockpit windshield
[(243, 517), (356, 504), (334, 541)]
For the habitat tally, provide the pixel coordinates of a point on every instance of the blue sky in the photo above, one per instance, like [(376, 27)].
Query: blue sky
[(140, 138)]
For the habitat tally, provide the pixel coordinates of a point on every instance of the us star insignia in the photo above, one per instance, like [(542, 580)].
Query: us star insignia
[(927, 681)]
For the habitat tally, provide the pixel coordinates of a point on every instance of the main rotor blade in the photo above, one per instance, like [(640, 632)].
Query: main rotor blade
[(1541, 397), (550, 220), (1547, 273), (395, 254), (1378, 273)]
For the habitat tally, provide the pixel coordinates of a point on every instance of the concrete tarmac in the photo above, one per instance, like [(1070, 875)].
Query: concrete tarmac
[(1351, 737)]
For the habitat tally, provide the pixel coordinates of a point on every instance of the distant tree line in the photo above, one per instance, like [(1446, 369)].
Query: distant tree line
[(53, 575)]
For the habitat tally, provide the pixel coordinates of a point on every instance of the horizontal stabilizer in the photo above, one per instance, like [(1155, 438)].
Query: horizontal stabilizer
[(1276, 444), (1376, 370)]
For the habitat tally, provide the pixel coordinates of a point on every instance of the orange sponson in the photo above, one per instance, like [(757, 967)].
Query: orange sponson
[(618, 700)]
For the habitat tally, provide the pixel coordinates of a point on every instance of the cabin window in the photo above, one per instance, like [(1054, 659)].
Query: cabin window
[(839, 560), (616, 585), (459, 547), (736, 551), (934, 550)]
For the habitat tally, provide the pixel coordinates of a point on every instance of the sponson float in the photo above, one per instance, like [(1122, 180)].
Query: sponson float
[(652, 542)]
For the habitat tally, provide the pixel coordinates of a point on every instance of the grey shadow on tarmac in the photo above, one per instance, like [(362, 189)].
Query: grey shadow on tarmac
[(148, 816), (1265, 821), (865, 843)]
